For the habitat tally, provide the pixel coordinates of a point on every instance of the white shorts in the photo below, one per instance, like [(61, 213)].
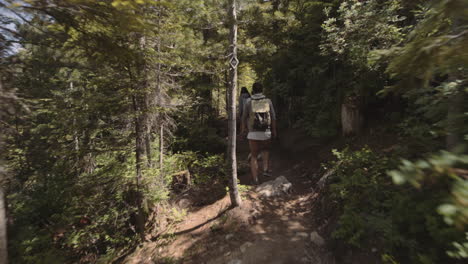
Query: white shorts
[(258, 135)]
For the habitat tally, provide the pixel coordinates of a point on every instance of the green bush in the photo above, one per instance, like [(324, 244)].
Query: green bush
[(203, 168), (400, 221)]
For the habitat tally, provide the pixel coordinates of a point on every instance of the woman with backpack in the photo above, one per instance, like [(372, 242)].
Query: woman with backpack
[(259, 120)]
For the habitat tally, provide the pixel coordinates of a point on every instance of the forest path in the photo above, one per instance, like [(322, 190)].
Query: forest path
[(274, 231)]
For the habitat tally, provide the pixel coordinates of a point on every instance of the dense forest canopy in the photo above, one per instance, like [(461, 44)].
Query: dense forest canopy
[(104, 103)]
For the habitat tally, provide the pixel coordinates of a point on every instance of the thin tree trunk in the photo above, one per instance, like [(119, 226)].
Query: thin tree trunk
[(226, 94), (455, 108), (161, 151), (3, 204), (233, 190), (159, 100), (76, 140), (3, 229), (218, 103), (139, 152), (455, 119), (148, 149), (145, 105)]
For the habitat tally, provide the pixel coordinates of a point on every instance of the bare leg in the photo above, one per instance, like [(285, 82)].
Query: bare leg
[(253, 161), (265, 159), (254, 169)]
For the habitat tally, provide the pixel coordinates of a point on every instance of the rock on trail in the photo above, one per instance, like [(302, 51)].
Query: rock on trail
[(276, 187)]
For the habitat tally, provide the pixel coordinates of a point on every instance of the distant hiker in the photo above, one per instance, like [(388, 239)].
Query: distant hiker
[(243, 97), (258, 118)]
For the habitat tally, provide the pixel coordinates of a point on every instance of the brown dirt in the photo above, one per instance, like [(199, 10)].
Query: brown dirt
[(260, 231)]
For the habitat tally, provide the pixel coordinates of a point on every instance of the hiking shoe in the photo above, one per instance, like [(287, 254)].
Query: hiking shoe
[(267, 173)]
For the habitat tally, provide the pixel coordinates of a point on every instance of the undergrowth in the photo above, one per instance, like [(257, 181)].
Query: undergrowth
[(401, 221)]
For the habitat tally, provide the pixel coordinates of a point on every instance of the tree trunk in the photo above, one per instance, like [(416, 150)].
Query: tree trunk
[(161, 151), (145, 104), (455, 113), (226, 94), (233, 191), (148, 148), (139, 152), (351, 116), (3, 205), (3, 229), (455, 119), (160, 102)]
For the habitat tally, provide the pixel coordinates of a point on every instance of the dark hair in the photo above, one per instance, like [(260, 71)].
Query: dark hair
[(244, 91), (257, 88)]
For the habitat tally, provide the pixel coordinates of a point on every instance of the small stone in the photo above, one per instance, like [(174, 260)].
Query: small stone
[(227, 253), (245, 246), (374, 250), (316, 239), (229, 236)]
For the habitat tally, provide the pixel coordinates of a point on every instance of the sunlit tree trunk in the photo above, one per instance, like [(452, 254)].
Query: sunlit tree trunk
[(233, 191)]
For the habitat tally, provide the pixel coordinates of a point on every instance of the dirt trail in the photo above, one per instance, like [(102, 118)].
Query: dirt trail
[(272, 231)]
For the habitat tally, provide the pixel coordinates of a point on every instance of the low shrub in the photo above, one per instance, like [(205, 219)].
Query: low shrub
[(399, 220)]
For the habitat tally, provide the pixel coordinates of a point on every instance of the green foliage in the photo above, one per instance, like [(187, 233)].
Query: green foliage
[(320, 118), (198, 138), (439, 168), (362, 183), (208, 168), (398, 220), (89, 72), (243, 189), (461, 249), (178, 215), (203, 168), (425, 122), (436, 47), (361, 27)]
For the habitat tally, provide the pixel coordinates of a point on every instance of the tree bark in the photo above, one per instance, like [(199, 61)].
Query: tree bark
[(161, 151), (148, 148), (3, 204), (456, 105), (139, 152), (3, 229), (233, 190), (145, 104), (351, 116), (455, 119)]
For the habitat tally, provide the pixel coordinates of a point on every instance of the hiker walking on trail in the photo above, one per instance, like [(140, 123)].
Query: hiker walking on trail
[(243, 97), (258, 118)]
